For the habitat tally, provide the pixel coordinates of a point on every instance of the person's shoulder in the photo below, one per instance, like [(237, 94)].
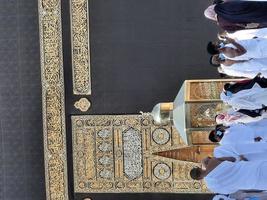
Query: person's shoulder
[(237, 125)]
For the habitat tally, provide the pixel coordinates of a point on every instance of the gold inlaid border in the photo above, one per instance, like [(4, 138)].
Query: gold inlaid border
[(54, 132), (80, 47)]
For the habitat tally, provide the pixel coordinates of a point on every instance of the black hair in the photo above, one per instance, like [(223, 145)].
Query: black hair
[(220, 127), (226, 86), (217, 1), (195, 173), (222, 75), (216, 116), (212, 64), (212, 137), (211, 48)]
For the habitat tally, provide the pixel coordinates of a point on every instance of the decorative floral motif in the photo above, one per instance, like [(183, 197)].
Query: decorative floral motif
[(162, 171), (161, 136), (105, 147), (132, 153), (83, 104), (106, 174), (105, 160), (104, 133)]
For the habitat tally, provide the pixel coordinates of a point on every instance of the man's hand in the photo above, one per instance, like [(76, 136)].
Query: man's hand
[(257, 139), (252, 25), (231, 159), (230, 40), (205, 162), (242, 157), (258, 75)]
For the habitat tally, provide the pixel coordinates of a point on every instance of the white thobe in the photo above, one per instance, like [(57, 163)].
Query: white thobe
[(248, 34), (229, 177), (257, 64), (256, 48), (238, 73), (238, 133), (259, 127), (251, 151), (249, 99)]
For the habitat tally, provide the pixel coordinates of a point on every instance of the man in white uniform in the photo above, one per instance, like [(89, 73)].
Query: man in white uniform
[(249, 99), (229, 177), (225, 176), (248, 34), (239, 134), (240, 49), (237, 73), (248, 151), (240, 68)]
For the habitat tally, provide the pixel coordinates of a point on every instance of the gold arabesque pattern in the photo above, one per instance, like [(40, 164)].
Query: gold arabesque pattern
[(202, 114), (83, 104), (80, 47), (205, 89), (117, 153), (53, 100)]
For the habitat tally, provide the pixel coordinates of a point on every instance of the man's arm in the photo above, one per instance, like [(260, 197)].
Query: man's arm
[(242, 158), (240, 50), (231, 159), (257, 139), (229, 62)]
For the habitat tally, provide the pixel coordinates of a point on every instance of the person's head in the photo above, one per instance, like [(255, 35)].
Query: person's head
[(213, 137), (222, 197), (226, 87), (220, 118), (217, 134), (216, 60), (213, 48), (197, 173), (221, 127), (210, 13)]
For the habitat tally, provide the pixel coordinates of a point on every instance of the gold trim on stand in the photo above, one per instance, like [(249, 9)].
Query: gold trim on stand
[(80, 47), (54, 132)]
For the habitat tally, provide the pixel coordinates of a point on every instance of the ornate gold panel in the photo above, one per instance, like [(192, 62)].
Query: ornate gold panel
[(204, 90), (53, 100), (83, 104), (80, 47), (203, 114), (200, 137), (116, 153)]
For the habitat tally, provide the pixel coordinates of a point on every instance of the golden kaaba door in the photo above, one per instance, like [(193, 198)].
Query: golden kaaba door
[(129, 153)]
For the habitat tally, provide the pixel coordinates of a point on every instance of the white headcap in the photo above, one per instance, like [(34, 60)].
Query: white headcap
[(210, 13)]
